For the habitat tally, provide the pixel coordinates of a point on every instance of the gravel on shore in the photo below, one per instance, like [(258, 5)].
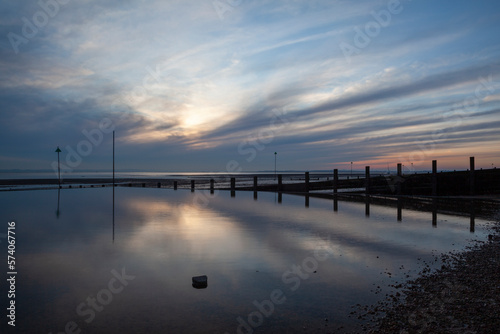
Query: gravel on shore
[(463, 296)]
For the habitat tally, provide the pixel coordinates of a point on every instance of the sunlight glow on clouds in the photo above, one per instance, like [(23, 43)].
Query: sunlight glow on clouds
[(187, 91)]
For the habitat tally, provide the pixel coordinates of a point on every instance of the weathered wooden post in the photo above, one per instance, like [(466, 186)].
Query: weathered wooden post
[(255, 185), (307, 183), (280, 197), (280, 182), (307, 201), (399, 179), (212, 182), (175, 185), (192, 185), (233, 184), (434, 178), (472, 176), (159, 185), (367, 180), (335, 182), (233, 187)]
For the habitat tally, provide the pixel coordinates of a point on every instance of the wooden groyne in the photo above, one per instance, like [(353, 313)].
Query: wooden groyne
[(471, 182)]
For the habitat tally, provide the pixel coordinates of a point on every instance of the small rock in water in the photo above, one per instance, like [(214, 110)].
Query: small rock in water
[(200, 282)]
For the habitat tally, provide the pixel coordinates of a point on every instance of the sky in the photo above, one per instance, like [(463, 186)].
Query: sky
[(224, 85)]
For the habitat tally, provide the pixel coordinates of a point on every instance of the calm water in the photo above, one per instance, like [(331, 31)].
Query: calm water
[(272, 267)]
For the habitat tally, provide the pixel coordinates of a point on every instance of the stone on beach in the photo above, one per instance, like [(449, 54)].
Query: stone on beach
[(200, 282)]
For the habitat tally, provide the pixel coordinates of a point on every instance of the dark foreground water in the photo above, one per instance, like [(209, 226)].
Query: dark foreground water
[(272, 267)]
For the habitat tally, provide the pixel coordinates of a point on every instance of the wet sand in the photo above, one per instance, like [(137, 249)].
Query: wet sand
[(463, 296)]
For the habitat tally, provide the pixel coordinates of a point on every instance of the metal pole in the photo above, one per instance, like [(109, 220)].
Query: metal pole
[(58, 169), (58, 150), (113, 159)]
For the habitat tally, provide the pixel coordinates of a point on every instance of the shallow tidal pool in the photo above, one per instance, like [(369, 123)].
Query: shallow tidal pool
[(122, 261)]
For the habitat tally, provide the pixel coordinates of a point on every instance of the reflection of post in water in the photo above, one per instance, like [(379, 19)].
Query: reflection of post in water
[(472, 216), (113, 214), (255, 195), (280, 197), (434, 212), (367, 205), (58, 200), (400, 209)]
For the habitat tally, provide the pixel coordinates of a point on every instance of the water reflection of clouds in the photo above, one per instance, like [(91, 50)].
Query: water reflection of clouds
[(244, 246)]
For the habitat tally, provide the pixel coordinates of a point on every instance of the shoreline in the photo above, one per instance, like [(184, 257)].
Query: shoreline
[(463, 296)]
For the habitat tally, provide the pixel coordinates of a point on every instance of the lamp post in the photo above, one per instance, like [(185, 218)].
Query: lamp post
[(58, 150), (275, 154)]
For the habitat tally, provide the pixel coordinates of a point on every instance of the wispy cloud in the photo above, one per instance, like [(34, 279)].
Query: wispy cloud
[(184, 89)]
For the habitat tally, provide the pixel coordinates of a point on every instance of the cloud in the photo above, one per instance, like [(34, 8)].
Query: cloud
[(185, 89)]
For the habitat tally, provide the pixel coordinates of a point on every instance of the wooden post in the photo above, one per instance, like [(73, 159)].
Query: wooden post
[(212, 181), (335, 182), (434, 178), (307, 183), (280, 182), (398, 179), (175, 185), (307, 201), (233, 184), (255, 183), (472, 172), (192, 185), (159, 185), (367, 180)]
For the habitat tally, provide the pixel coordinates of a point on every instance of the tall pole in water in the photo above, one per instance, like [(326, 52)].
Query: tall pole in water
[(58, 150), (275, 154), (351, 168), (113, 159), (113, 186)]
